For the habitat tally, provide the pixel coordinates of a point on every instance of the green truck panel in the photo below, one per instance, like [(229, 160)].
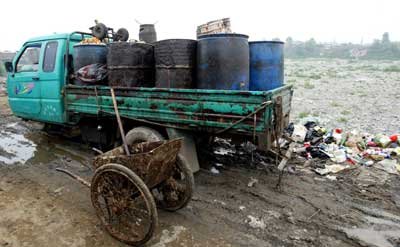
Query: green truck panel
[(196, 109)]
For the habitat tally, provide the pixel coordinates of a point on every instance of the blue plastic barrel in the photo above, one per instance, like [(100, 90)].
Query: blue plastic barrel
[(223, 62), (266, 65)]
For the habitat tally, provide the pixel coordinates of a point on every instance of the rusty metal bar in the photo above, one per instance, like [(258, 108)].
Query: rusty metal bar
[(121, 128), (262, 106), (79, 179)]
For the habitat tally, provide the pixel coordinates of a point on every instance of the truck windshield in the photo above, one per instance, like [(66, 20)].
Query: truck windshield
[(29, 60)]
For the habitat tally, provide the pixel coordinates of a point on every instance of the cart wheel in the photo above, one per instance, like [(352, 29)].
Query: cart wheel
[(176, 192), (124, 204)]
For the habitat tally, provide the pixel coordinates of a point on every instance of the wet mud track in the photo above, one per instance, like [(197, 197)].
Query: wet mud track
[(42, 207)]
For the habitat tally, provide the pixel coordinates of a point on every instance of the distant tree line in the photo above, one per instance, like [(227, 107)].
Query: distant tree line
[(379, 49)]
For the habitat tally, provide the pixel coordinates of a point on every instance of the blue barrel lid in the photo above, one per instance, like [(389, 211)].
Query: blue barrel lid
[(267, 41), (223, 35)]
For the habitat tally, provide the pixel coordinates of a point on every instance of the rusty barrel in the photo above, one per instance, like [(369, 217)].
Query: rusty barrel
[(175, 63), (130, 64), (223, 62)]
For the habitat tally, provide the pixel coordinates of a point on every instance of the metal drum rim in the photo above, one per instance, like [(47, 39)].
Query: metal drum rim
[(147, 25), (176, 39), (223, 35), (130, 43), (267, 42)]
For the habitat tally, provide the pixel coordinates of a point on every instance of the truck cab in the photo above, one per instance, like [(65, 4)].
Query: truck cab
[(37, 77)]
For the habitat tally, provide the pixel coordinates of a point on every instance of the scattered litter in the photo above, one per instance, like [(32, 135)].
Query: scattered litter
[(299, 133), (214, 170), (332, 178), (252, 182), (59, 190), (256, 222), (390, 166), (219, 202), (331, 169), (248, 147), (223, 151), (219, 165)]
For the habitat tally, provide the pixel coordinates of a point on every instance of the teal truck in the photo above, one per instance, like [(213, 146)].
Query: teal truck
[(40, 89)]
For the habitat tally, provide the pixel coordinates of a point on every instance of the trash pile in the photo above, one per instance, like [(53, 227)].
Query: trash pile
[(345, 149), (223, 152)]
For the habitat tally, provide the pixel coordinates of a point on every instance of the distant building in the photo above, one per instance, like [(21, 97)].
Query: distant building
[(6, 55), (357, 53)]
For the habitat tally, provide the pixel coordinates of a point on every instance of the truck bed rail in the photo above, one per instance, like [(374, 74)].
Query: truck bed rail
[(192, 109)]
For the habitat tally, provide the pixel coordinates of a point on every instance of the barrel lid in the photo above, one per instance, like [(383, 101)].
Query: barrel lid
[(147, 25), (177, 40), (129, 43), (267, 41), (223, 35)]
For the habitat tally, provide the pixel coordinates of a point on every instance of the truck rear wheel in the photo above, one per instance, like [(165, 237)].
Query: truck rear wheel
[(143, 134), (177, 192)]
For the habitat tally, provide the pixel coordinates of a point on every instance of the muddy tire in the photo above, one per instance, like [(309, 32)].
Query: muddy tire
[(122, 35), (124, 204), (143, 134), (177, 191)]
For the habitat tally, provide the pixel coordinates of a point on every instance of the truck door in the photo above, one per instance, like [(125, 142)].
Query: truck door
[(52, 82), (35, 87), (23, 87)]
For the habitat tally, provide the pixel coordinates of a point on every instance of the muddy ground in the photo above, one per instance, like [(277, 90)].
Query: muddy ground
[(41, 207)]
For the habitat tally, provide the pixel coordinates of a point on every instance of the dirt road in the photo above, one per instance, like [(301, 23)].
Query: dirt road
[(41, 207)]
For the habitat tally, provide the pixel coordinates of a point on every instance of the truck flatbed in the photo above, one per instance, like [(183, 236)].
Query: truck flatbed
[(212, 111)]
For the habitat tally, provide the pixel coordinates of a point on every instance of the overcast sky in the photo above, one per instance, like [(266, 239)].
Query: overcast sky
[(325, 20)]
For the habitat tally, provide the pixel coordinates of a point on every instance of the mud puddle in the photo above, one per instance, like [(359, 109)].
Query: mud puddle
[(379, 232), (15, 148)]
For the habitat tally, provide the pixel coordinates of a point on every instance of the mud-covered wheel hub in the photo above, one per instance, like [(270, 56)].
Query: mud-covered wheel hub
[(176, 192), (124, 204)]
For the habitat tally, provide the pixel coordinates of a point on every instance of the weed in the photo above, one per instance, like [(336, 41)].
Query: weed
[(335, 104), (392, 68), (308, 85), (345, 112), (303, 114)]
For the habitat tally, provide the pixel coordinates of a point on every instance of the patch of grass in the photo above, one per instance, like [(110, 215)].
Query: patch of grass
[(368, 68), (335, 104), (392, 68), (303, 114), (345, 112), (342, 120), (315, 76), (308, 85), (331, 73), (362, 94)]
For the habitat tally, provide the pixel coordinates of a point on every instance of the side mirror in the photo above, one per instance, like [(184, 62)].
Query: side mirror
[(9, 67)]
